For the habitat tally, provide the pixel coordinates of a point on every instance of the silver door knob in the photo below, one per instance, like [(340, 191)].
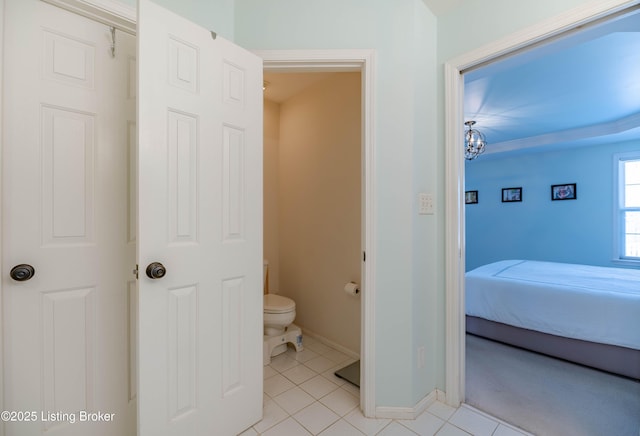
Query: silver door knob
[(156, 270), (22, 272)]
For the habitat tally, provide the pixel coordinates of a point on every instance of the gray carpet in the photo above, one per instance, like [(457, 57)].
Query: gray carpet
[(549, 397)]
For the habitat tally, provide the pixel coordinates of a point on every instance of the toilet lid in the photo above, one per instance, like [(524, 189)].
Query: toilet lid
[(278, 304)]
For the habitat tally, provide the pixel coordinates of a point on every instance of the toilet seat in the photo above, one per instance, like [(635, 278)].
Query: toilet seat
[(278, 304)]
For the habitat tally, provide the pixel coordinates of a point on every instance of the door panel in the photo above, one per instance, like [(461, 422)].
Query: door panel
[(68, 355), (65, 212), (67, 176), (200, 214)]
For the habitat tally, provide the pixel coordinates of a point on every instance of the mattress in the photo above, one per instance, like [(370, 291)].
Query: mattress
[(589, 303)]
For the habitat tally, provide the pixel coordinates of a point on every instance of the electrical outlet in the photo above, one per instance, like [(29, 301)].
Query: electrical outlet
[(425, 204)]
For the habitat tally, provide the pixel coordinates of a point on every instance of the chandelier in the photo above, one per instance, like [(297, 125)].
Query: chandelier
[(474, 142)]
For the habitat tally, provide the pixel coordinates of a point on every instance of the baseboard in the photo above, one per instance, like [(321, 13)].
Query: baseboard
[(329, 342), (408, 412)]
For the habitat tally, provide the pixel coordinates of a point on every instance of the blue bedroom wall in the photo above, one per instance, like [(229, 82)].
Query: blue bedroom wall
[(572, 231)]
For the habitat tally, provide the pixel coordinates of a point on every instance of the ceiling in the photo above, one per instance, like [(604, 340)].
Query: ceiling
[(581, 89)]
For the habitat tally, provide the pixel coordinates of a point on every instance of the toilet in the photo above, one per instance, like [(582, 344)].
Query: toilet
[(279, 330)]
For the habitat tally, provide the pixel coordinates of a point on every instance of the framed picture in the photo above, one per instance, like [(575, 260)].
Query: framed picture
[(471, 197), (567, 191), (511, 194)]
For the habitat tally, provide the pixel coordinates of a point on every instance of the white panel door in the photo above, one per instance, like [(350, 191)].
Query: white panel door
[(68, 116), (200, 216)]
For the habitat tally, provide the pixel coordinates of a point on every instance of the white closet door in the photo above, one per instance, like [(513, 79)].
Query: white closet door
[(68, 118), (200, 216)]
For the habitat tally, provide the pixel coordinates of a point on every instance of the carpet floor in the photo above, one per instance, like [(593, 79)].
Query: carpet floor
[(547, 396)]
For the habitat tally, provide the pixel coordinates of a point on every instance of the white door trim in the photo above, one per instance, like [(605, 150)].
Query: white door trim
[(363, 61), (454, 164), (1, 202)]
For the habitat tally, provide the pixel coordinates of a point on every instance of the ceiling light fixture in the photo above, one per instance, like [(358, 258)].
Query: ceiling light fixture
[(474, 142)]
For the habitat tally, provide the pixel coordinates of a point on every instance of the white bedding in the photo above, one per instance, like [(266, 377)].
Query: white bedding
[(584, 302)]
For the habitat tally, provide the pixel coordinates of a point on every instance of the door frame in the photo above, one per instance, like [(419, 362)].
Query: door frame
[(310, 61), (454, 70), (1, 202)]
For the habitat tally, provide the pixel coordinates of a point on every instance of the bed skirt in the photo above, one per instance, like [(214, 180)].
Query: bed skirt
[(618, 360)]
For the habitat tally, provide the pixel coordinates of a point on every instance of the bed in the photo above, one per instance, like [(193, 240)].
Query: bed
[(585, 314)]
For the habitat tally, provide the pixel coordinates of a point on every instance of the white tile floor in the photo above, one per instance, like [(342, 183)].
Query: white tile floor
[(303, 397)]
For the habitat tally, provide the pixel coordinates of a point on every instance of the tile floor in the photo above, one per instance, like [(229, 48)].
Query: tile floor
[(303, 397)]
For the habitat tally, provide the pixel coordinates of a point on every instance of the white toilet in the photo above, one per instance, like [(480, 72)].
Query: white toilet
[(279, 313)]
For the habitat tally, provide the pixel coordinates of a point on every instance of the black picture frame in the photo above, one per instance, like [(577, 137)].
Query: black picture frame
[(511, 195), (566, 191), (471, 197)]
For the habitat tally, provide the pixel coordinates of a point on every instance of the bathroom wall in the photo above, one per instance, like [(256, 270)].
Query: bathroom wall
[(318, 205), (270, 188)]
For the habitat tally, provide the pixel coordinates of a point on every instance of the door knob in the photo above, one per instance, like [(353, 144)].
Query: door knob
[(156, 270), (22, 272)]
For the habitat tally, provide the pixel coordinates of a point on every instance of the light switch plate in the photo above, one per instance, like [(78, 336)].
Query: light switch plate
[(425, 204)]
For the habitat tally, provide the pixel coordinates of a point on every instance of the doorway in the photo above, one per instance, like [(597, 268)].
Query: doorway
[(323, 61), (312, 196), (532, 168), (454, 160)]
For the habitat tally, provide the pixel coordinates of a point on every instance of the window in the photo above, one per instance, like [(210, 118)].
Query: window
[(628, 209)]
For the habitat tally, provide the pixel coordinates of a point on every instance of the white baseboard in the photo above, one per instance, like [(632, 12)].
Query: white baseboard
[(409, 412), (329, 342)]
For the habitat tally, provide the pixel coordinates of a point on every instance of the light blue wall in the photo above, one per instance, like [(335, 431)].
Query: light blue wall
[(475, 23), (403, 35), (428, 272), (572, 231)]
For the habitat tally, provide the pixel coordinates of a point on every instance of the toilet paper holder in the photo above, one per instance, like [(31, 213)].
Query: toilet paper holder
[(352, 288)]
